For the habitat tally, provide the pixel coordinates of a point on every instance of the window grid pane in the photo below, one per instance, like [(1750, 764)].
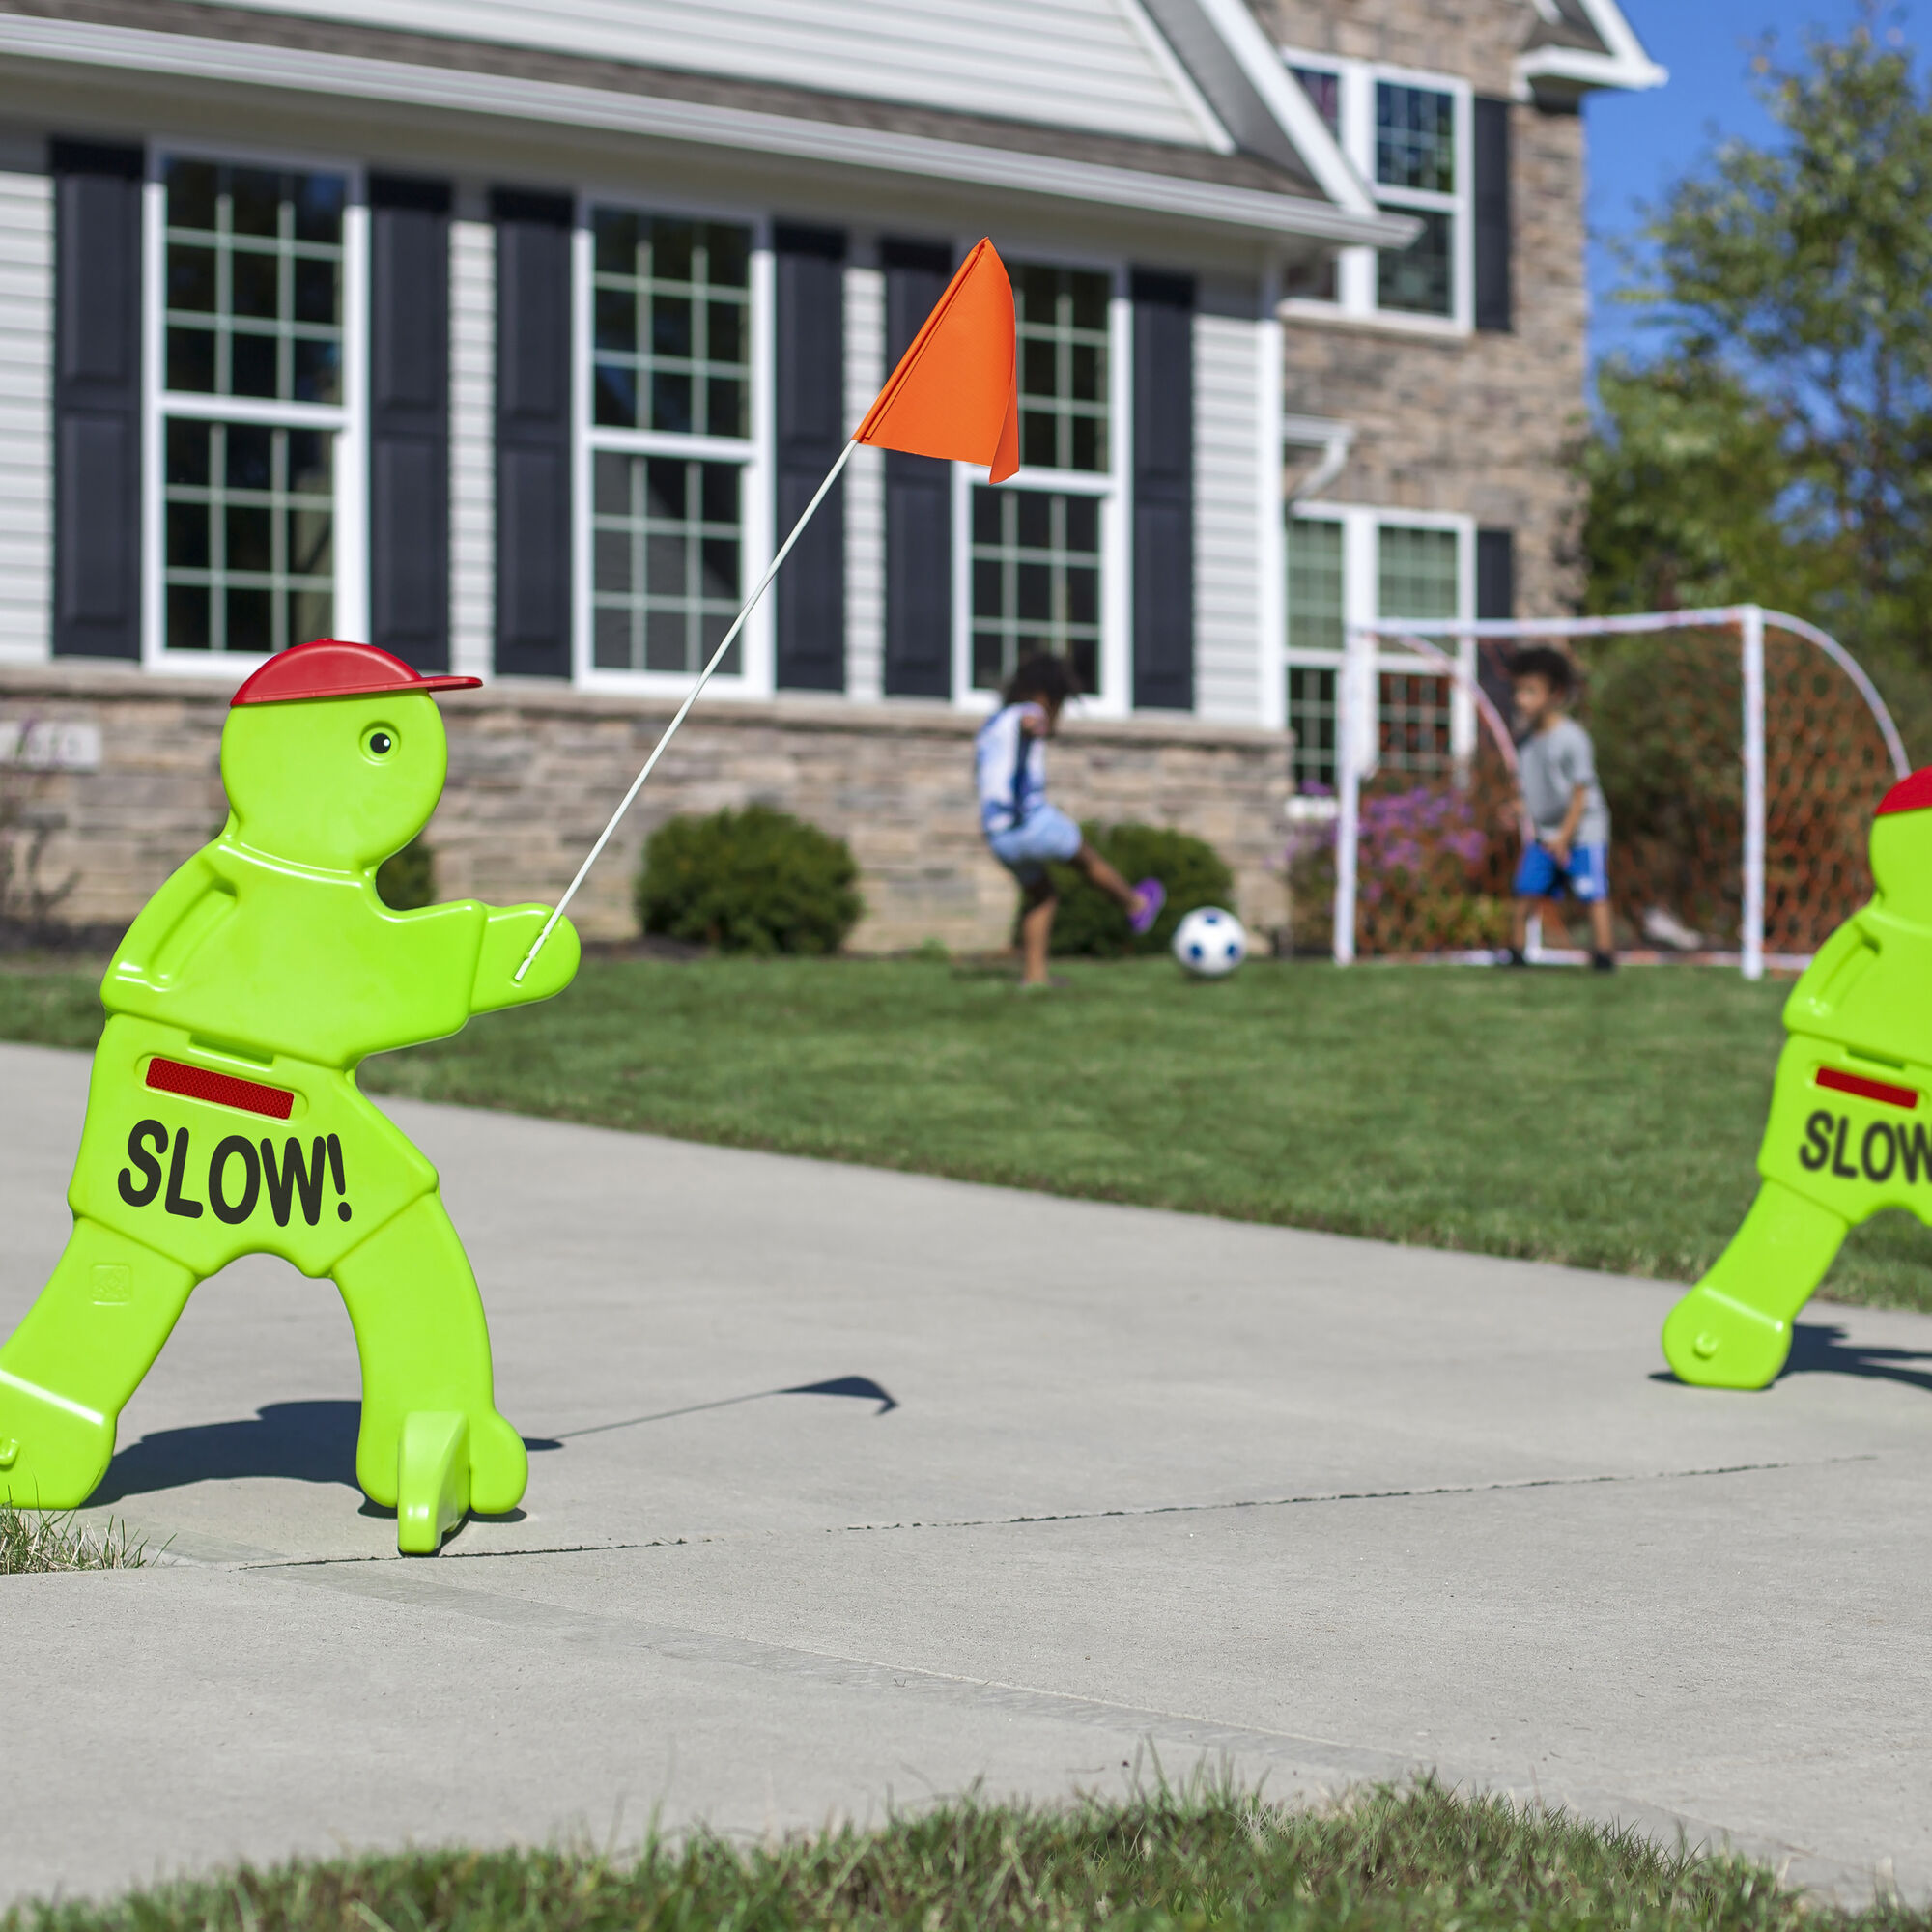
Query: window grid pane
[(671, 317), (1419, 279), (1323, 90), (248, 536), (1036, 583), (1314, 585), (667, 537), (1416, 571), (1414, 714), (253, 281), (1310, 713), (1061, 319), (1415, 138)]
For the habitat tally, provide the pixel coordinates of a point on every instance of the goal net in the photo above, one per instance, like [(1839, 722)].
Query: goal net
[(1740, 750)]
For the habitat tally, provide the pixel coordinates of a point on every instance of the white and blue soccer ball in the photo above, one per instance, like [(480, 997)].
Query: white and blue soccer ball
[(1210, 943)]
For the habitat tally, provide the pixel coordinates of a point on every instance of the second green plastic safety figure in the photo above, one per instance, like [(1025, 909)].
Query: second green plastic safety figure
[(1850, 1130), (223, 1117)]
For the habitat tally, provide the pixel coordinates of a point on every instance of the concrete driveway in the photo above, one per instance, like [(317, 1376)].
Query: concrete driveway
[(850, 1490)]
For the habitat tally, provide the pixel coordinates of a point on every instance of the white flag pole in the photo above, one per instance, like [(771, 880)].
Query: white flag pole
[(703, 679)]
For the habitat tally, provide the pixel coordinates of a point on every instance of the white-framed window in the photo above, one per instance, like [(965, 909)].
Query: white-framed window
[(255, 398), (1411, 136), (672, 428), (1349, 564), (1037, 557)]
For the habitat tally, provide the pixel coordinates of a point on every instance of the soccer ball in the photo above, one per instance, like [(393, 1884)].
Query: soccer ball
[(1209, 942)]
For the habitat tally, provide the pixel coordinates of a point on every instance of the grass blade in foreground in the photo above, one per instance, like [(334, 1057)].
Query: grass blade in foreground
[(1424, 1859), (32, 1543)]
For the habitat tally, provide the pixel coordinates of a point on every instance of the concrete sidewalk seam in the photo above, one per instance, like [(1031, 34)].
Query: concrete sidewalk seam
[(1352, 1497), (265, 1560)]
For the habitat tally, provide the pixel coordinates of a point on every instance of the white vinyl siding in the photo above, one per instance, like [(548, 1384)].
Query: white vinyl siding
[(472, 479), (864, 488), (26, 416), (1089, 64), (1229, 419)]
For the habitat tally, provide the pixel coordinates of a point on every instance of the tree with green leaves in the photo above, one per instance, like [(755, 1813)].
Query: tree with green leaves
[(1777, 444)]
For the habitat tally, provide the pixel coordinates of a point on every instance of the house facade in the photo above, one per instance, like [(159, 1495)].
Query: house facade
[(514, 336)]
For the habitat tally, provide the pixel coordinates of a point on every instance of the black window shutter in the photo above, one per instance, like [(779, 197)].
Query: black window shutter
[(96, 400), (919, 499), (409, 419), (811, 327), (1493, 212), (1164, 513), (1495, 574), (532, 433), (1495, 597)]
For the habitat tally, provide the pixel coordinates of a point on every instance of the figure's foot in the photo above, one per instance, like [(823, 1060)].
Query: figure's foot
[(500, 1466), (1516, 956), (1149, 896), (51, 1457), (432, 1479), (1603, 962), (1713, 1341)]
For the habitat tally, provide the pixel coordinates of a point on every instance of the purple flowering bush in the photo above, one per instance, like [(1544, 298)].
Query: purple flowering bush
[(1432, 870)]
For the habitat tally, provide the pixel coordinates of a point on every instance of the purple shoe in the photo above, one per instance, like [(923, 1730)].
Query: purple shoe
[(1154, 896)]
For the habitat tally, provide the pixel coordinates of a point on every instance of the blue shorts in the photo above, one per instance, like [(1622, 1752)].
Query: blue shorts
[(1044, 832), (1586, 878)]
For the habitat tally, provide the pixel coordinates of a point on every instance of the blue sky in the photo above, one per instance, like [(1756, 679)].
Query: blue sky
[(1640, 142)]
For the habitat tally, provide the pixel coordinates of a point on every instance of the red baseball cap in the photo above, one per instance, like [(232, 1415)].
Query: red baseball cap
[(1913, 794), (327, 667)]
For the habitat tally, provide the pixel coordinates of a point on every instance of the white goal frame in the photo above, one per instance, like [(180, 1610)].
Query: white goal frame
[(1356, 740)]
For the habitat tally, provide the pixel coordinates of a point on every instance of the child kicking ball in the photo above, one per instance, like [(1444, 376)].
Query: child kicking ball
[(1024, 831)]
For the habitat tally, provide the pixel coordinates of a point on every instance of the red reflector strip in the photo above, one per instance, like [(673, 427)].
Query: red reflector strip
[(197, 1083), (1867, 1090)]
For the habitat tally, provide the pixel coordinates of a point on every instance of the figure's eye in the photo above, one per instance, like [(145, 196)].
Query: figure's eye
[(379, 741)]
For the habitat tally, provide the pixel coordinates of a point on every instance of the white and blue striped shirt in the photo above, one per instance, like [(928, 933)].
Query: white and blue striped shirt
[(1012, 768)]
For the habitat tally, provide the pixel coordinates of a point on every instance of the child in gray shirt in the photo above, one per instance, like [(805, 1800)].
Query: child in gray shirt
[(1556, 769)]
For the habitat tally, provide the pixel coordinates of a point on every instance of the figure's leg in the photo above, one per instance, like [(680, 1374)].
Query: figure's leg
[(425, 1348), (1733, 1330), (71, 1364), (1036, 912)]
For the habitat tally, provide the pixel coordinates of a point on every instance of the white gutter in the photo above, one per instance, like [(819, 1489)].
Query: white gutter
[(140, 51), (1333, 439)]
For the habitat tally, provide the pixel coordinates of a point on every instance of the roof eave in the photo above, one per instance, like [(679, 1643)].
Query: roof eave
[(1564, 74), (246, 64)]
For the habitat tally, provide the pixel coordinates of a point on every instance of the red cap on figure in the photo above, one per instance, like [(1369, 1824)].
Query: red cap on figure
[(327, 667), (1913, 794)]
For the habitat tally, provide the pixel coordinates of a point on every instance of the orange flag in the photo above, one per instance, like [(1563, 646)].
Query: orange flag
[(954, 393)]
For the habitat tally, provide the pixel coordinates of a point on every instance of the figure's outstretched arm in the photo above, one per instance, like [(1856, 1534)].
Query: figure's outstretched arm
[(506, 937), (1834, 968), (189, 905)]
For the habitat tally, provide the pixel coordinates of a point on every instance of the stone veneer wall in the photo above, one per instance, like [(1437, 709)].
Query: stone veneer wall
[(1478, 424), (535, 769)]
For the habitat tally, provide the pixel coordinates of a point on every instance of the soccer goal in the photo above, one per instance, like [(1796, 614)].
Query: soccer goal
[(1743, 751)]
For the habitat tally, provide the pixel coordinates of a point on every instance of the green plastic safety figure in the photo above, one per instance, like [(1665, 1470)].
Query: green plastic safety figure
[(223, 1117), (1850, 1130)]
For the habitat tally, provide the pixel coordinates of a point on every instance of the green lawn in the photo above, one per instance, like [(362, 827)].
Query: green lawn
[(1610, 1122), (1418, 1861)]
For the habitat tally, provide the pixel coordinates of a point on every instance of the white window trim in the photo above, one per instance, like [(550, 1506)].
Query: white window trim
[(1113, 486), (754, 454), (347, 420), (1362, 526), (1356, 267)]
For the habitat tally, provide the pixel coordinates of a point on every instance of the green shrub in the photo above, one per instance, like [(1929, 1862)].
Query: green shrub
[(1088, 922), (408, 879), (750, 881)]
